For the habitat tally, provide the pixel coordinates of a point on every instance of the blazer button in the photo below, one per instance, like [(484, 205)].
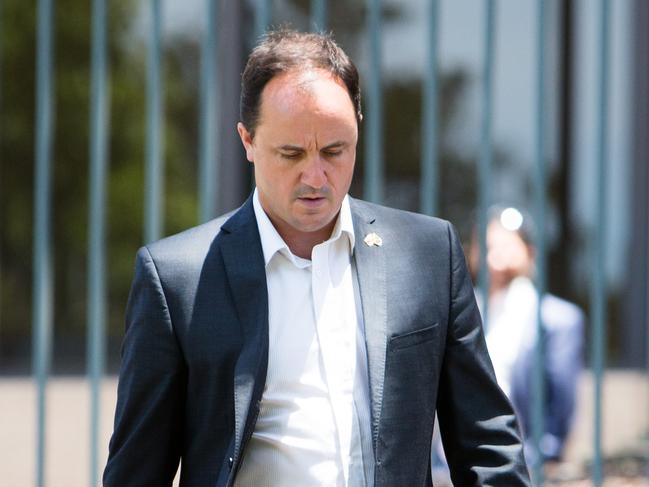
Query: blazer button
[(230, 462)]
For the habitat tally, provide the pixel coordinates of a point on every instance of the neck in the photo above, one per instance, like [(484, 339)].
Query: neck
[(497, 285), (302, 243)]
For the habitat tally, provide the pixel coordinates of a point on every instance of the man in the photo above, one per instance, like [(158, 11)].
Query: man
[(512, 332), (308, 338)]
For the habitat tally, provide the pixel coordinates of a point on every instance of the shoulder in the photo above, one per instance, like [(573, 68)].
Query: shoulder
[(560, 314), (420, 237), (187, 248), (412, 233), (192, 239), (399, 220)]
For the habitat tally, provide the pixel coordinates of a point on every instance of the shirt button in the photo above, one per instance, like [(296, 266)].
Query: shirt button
[(230, 462)]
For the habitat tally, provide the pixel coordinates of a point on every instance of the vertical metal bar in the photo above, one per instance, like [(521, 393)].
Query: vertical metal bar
[(429, 136), (647, 333), (565, 129), (96, 228), (598, 281), (319, 15), (209, 130), (373, 167), (486, 151), (43, 285), (538, 404), (154, 168), (0, 162), (262, 18)]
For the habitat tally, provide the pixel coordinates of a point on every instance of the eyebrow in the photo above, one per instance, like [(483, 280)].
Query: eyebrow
[(291, 148), (297, 148), (335, 145)]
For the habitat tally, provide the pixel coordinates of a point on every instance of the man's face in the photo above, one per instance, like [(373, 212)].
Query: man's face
[(508, 256), (303, 151)]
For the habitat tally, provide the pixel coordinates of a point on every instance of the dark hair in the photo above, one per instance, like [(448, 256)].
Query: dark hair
[(284, 50)]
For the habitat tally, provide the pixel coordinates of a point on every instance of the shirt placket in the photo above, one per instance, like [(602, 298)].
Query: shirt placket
[(337, 344)]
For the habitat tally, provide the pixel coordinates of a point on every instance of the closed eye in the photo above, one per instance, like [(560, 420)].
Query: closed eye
[(334, 150), (291, 155)]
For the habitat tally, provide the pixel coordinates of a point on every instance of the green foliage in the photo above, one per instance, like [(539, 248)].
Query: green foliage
[(70, 165), (17, 48)]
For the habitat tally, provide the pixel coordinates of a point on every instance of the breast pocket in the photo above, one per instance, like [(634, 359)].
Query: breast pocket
[(414, 338)]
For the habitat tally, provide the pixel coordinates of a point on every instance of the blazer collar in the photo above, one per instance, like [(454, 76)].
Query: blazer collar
[(371, 272), (244, 265)]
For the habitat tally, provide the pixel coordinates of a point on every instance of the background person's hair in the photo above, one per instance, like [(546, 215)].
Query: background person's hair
[(284, 50)]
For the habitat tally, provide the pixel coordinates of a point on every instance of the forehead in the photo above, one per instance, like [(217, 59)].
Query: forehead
[(498, 235), (312, 91)]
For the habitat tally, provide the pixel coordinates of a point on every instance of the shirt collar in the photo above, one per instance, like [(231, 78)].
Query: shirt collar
[(272, 242), (345, 224)]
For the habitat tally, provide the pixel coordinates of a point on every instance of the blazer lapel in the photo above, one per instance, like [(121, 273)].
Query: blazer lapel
[(371, 272), (244, 265)]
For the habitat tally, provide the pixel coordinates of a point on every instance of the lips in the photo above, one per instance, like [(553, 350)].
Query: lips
[(312, 201)]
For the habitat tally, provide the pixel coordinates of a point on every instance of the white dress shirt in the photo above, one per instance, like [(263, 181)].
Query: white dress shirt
[(511, 327), (313, 427)]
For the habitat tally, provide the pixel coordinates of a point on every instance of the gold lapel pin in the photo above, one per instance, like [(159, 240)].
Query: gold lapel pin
[(373, 240)]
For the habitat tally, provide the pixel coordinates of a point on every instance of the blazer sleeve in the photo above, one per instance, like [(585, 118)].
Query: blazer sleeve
[(480, 434), (146, 442)]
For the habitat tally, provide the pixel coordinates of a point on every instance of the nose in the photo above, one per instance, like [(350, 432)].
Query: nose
[(314, 174)]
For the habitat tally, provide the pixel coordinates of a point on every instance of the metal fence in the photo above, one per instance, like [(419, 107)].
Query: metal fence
[(373, 182)]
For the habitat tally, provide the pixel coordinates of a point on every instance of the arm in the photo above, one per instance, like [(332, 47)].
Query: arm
[(479, 431), (146, 442), (564, 339)]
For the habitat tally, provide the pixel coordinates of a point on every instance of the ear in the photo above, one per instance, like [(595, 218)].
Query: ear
[(246, 140)]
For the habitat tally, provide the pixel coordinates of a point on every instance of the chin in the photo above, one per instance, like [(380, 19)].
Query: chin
[(312, 227)]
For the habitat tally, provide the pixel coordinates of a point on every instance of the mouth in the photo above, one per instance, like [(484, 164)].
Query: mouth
[(312, 201)]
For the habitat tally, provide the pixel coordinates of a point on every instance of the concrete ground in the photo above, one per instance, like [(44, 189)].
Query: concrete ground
[(625, 428)]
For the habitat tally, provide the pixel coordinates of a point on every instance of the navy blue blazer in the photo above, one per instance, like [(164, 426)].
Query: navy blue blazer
[(195, 352)]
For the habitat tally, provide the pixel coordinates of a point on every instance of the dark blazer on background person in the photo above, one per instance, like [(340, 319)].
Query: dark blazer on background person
[(563, 340), (195, 354)]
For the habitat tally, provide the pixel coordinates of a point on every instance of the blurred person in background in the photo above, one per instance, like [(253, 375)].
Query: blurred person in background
[(511, 332)]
